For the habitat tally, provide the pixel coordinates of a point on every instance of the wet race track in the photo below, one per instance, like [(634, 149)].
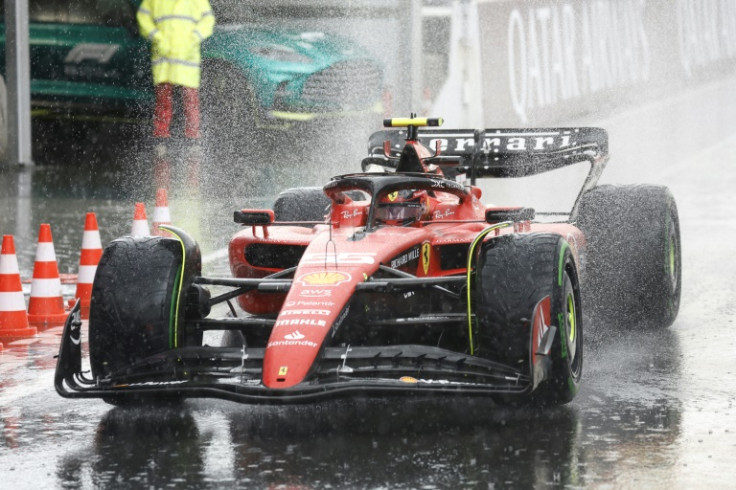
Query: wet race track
[(656, 409)]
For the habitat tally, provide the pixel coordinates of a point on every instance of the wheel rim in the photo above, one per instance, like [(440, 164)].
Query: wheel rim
[(573, 332), (671, 263), (571, 326)]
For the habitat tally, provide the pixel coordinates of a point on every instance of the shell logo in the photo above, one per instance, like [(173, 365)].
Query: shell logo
[(324, 278)]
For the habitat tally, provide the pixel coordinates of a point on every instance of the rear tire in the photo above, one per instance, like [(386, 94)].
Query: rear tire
[(301, 204), (133, 305), (515, 274), (633, 255)]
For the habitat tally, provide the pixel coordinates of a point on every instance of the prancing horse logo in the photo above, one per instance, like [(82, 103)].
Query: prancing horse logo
[(426, 254)]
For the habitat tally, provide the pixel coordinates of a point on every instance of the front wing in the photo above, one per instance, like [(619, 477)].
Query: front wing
[(234, 373)]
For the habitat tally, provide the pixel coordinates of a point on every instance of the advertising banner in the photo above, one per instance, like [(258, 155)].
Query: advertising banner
[(548, 61)]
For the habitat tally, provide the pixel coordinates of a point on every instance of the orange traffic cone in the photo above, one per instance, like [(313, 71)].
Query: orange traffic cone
[(140, 221), (13, 316), (161, 214), (46, 305), (88, 260)]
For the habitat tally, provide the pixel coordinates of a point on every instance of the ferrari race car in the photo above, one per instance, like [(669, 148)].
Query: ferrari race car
[(393, 282)]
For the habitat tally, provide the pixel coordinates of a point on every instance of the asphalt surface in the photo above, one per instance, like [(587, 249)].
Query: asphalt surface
[(656, 409)]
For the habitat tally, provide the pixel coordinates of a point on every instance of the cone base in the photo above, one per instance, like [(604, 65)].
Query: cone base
[(48, 320), (10, 334)]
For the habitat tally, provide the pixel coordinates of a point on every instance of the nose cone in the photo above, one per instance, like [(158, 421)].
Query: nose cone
[(315, 301), (293, 346)]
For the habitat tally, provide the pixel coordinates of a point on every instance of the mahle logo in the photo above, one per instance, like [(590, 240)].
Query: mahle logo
[(324, 278)]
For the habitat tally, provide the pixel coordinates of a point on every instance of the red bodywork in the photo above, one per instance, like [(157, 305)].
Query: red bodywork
[(334, 262)]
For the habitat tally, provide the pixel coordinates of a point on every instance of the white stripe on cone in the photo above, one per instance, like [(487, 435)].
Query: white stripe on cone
[(13, 301), (86, 274), (46, 288), (91, 239), (45, 252), (161, 215), (140, 228), (9, 264)]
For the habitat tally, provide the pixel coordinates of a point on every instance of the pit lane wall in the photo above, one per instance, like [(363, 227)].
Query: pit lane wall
[(545, 62)]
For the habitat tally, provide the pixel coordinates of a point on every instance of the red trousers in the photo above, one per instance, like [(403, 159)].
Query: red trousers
[(163, 111)]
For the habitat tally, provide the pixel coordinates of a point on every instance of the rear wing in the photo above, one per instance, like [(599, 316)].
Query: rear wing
[(499, 152)]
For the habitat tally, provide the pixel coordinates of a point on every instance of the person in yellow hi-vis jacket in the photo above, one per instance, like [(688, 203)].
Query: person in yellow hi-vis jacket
[(176, 28)]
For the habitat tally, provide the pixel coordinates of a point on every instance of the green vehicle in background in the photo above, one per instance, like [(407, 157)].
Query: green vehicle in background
[(89, 61)]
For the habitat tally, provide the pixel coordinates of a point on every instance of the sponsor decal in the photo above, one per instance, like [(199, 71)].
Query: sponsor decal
[(295, 335), (446, 214), (325, 304), (340, 319), (324, 278), (291, 343), (446, 382), (404, 258), (304, 312), (542, 320), (349, 215), (153, 383), (307, 322), (283, 370), (315, 293), (426, 256), (510, 142), (343, 258)]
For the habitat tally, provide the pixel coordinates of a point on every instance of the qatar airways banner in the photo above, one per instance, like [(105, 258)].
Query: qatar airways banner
[(548, 61)]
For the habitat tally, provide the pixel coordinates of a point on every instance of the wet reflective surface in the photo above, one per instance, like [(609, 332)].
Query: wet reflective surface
[(656, 409)]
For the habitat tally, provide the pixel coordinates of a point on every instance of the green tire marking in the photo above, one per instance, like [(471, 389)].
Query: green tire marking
[(469, 269), (172, 313), (563, 336), (560, 269), (178, 284)]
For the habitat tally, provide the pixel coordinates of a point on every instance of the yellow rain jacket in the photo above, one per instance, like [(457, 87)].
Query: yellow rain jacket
[(176, 28)]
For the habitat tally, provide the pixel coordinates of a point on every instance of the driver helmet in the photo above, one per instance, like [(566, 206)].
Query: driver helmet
[(400, 208)]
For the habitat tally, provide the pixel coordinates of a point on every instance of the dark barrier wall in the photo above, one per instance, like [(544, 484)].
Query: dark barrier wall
[(550, 61)]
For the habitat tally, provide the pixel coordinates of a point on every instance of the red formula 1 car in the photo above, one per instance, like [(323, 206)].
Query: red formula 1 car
[(397, 282)]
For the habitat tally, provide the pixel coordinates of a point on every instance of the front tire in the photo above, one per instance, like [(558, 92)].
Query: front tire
[(517, 275), (138, 302)]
